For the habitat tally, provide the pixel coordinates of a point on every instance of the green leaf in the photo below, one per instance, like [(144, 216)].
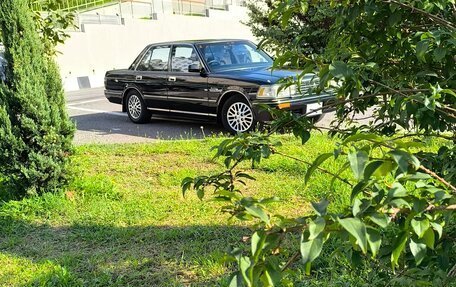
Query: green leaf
[(371, 168), (449, 92), (186, 184), (404, 159), (395, 18), (380, 219), (384, 169), (244, 265), (244, 175), (397, 190), (420, 226), (437, 227), (357, 189), (317, 162), (340, 70), (398, 248), (418, 250), (311, 249), (286, 16), (399, 203), (421, 49), (236, 280), (357, 229), (200, 193), (269, 200), (419, 205), (374, 239), (257, 243), (358, 160), (304, 135), (304, 7), (257, 212), (320, 207), (316, 227), (359, 206), (439, 54), (273, 276), (429, 238)]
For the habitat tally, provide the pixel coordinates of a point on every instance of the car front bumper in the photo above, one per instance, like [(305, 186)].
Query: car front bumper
[(300, 105)]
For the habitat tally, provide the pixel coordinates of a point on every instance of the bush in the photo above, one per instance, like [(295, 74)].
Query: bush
[(35, 131)]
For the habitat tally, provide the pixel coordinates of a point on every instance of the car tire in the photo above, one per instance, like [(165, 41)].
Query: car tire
[(136, 108), (237, 115)]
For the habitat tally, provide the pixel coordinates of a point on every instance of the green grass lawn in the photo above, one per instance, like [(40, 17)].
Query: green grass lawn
[(124, 221)]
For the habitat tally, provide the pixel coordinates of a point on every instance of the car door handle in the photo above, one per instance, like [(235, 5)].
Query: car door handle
[(171, 79), (138, 77)]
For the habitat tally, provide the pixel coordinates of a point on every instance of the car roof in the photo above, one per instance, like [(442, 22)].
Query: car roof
[(202, 41)]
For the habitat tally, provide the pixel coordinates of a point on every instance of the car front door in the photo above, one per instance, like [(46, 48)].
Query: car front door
[(187, 92), (152, 77)]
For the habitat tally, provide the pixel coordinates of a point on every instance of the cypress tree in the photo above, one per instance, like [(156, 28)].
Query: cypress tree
[(35, 131)]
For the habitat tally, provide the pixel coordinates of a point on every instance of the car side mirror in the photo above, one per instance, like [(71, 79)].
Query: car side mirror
[(197, 68), (194, 68)]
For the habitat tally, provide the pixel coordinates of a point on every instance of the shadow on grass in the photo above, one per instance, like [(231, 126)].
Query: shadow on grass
[(92, 255)]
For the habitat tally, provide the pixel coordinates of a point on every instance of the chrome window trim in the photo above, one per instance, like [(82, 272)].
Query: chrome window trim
[(154, 47), (170, 70)]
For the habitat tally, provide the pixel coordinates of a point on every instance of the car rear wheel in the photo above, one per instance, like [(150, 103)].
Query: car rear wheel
[(136, 109), (237, 115)]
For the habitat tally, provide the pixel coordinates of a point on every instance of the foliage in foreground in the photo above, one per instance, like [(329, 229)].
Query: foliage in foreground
[(35, 131), (122, 223), (308, 29), (394, 61)]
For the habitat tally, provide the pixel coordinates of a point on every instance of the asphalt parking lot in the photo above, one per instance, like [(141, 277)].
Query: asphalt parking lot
[(101, 122)]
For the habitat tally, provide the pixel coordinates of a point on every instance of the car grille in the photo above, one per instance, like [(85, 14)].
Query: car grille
[(307, 88)]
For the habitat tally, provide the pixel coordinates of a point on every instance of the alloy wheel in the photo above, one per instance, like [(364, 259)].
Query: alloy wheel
[(134, 106), (240, 117)]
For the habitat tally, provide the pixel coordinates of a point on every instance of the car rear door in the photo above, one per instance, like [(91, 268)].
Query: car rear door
[(187, 92), (151, 77)]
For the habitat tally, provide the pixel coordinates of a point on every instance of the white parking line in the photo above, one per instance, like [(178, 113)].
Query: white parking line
[(97, 111), (86, 102)]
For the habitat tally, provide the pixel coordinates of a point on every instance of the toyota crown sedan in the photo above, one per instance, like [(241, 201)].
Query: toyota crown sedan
[(228, 81)]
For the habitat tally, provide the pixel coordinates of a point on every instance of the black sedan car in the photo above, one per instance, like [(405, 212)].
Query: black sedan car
[(223, 80)]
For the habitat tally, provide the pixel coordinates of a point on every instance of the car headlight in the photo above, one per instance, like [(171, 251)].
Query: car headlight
[(274, 91)]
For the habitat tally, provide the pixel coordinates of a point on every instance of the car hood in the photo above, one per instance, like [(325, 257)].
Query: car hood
[(262, 76)]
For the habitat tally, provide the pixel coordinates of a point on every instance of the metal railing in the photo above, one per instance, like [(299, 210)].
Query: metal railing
[(74, 5), (97, 19), (112, 11), (189, 6)]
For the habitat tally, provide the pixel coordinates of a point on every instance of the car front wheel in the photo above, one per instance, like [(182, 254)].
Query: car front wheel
[(136, 109), (237, 115)]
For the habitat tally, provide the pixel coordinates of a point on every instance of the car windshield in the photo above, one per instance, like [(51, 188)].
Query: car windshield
[(222, 56)]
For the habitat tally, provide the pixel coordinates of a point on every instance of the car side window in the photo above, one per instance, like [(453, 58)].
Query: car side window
[(183, 57), (156, 59)]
